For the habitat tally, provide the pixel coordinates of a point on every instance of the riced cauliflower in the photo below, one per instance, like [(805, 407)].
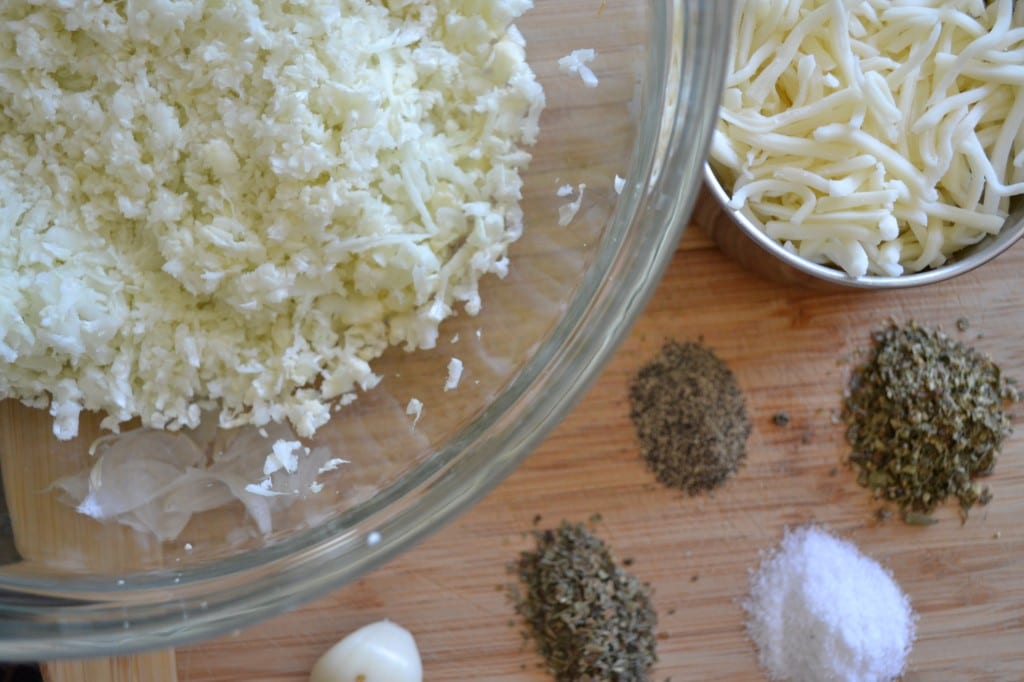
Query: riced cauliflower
[(576, 62), (241, 205), (567, 211)]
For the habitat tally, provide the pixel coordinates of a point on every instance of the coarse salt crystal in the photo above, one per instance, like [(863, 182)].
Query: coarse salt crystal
[(819, 609)]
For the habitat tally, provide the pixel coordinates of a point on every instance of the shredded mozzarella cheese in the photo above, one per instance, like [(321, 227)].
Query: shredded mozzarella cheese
[(240, 205), (879, 136)]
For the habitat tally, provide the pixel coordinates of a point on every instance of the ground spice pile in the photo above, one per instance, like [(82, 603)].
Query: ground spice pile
[(590, 619), (925, 416), (690, 417)]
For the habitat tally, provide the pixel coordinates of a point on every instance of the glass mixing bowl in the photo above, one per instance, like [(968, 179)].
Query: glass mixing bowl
[(544, 332)]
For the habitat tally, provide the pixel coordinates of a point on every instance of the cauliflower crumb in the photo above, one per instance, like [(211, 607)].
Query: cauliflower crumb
[(238, 206), (567, 212), (282, 456), (415, 410), (454, 374), (576, 63), (331, 465), (264, 489)]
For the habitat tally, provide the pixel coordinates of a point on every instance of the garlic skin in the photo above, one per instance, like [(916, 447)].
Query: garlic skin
[(378, 652)]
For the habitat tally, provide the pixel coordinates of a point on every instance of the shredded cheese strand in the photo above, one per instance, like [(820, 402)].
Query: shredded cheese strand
[(876, 135)]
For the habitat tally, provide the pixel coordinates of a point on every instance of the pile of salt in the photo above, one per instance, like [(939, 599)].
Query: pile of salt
[(819, 610)]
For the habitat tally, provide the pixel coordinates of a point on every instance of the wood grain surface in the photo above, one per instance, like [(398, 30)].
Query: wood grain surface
[(790, 349)]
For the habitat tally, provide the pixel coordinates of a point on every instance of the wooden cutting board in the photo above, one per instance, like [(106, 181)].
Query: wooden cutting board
[(787, 348)]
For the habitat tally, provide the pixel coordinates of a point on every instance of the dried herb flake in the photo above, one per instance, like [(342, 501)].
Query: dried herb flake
[(925, 417), (589, 618)]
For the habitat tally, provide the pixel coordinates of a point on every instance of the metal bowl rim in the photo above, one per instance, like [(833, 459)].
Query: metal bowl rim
[(972, 257)]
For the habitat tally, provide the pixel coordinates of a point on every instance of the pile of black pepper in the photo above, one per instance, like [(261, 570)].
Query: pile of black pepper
[(591, 620), (925, 416), (690, 417)]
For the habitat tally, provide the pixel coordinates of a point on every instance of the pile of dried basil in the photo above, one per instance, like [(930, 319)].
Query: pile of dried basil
[(925, 416), (590, 619), (690, 417)]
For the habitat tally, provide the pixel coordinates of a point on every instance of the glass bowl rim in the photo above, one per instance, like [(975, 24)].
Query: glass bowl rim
[(93, 617)]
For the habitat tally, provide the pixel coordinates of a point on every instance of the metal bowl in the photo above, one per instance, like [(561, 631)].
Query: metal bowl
[(746, 243)]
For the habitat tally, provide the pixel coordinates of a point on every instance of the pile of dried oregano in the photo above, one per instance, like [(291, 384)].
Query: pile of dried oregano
[(590, 619), (925, 416)]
